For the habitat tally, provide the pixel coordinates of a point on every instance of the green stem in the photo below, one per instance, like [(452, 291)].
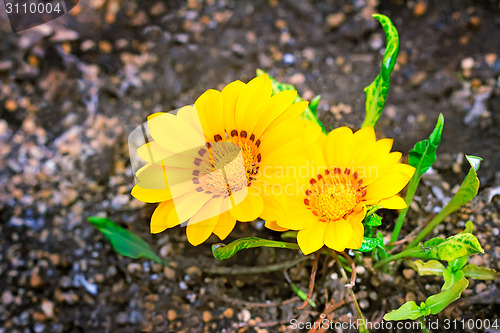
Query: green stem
[(424, 327), (403, 254), (412, 188)]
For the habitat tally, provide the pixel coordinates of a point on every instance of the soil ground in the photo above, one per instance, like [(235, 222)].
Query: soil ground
[(73, 89)]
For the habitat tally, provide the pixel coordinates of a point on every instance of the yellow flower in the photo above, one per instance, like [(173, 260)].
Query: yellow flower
[(352, 171), (205, 164)]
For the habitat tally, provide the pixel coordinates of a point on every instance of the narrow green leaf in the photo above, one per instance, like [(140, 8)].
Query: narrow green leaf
[(222, 251), (124, 241), (310, 113), (479, 273), (423, 155), (409, 310), (436, 303), (376, 92), (431, 267), (467, 191), (449, 249)]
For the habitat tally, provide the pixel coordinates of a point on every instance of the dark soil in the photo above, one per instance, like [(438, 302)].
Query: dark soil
[(73, 89)]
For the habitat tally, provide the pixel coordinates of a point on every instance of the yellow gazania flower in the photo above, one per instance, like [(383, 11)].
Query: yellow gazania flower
[(353, 171), (204, 164)]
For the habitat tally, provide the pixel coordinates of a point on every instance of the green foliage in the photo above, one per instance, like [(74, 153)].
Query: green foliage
[(421, 157), (432, 305), (310, 113), (123, 241), (431, 267), (376, 92), (409, 310), (467, 191), (222, 251), (369, 243), (479, 273), (446, 249), (373, 220)]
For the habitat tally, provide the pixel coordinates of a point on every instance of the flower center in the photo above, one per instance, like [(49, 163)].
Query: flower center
[(229, 164), (334, 194)]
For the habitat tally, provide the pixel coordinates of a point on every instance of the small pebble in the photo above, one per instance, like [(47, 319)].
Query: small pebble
[(171, 315), (207, 316), (408, 273), (228, 313)]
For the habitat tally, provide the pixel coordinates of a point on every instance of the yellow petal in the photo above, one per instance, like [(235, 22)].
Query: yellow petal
[(230, 93), (394, 202), (250, 208), (174, 134), (276, 106), (190, 203), (387, 185), (311, 238), (338, 147), (274, 226), (293, 112), (337, 234), (376, 166), (152, 152), (199, 232), (150, 195), (274, 199), (209, 107), (252, 103), (364, 143), (297, 219), (225, 225), (210, 209), (159, 220), (282, 140), (357, 234)]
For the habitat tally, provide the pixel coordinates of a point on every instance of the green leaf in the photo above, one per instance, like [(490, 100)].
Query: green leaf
[(458, 263), (222, 251), (469, 227), (376, 92), (479, 273), (310, 113), (436, 303), (409, 310), (123, 241), (373, 220), (467, 191), (449, 249), (423, 155), (451, 277), (369, 244), (431, 267)]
